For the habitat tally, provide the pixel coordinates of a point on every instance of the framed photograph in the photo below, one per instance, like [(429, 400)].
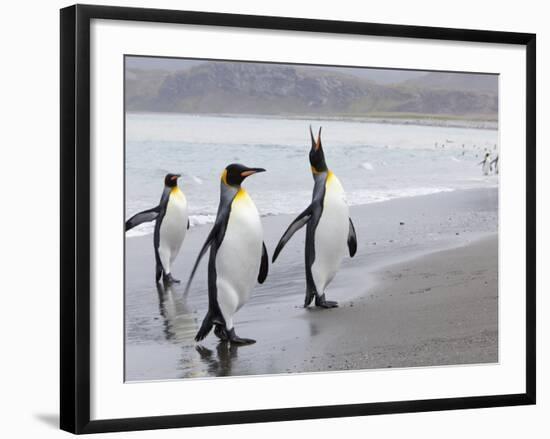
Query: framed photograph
[(268, 218)]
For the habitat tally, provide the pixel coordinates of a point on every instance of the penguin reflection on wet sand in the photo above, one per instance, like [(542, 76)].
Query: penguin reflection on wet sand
[(179, 321), (221, 364), (238, 256), (171, 225), (329, 229)]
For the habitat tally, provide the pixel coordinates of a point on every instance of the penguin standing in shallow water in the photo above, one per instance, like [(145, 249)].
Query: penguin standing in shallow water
[(238, 256), (171, 225), (329, 229), (495, 162)]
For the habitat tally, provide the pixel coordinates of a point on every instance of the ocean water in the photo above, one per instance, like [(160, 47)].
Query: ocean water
[(374, 161)]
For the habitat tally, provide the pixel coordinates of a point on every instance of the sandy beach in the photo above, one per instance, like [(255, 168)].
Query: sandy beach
[(421, 291)]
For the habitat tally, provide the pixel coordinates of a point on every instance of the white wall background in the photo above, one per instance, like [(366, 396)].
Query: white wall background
[(29, 249)]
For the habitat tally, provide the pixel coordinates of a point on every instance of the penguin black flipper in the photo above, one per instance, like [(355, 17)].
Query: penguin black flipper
[(264, 266), (219, 228), (215, 236), (352, 239), (188, 224), (142, 217), (300, 221)]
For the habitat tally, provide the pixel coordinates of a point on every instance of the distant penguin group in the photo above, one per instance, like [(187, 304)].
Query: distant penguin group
[(488, 165), (238, 255)]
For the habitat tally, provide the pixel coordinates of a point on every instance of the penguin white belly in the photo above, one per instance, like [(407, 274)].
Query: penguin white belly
[(331, 234), (486, 167), (172, 229), (239, 256)]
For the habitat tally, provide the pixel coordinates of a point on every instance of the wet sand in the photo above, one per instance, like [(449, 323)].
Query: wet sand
[(419, 293)]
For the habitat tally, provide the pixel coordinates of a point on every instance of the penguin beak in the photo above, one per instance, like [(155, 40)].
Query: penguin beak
[(175, 176), (315, 144), (251, 171)]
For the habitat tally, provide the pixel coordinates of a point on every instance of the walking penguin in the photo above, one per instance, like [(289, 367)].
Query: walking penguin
[(486, 164), (171, 225), (238, 256), (329, 229)]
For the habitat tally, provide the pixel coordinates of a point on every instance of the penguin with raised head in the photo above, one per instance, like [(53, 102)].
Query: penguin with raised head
[(172, 222), (238, 256), (329, 228)]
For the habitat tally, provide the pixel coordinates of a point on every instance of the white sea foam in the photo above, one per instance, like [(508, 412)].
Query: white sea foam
[(360, 197), (141, 230), (201, 219), (201, 147), (149, 228), (367, 166), (354, 198)]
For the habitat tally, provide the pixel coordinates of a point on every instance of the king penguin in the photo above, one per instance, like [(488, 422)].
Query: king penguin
[(238, 256), (486, 164), (329, 228), (495, 162), (172, 222)]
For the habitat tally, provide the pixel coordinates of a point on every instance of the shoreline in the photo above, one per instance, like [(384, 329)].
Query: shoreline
[(433, 120), (417, 350), (291, 215), (460, 225)]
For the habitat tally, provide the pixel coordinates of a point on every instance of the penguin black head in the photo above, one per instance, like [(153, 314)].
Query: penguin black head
[(171, 180), (234, 174), (316, 154)]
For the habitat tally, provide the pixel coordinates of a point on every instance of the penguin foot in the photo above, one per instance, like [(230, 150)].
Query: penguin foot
[(169, 279), (327, 304), (221, 333), (235, 339), (309, 299), (321, 302)]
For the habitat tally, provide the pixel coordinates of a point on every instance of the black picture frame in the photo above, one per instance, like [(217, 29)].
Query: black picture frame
[(75, 217)]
